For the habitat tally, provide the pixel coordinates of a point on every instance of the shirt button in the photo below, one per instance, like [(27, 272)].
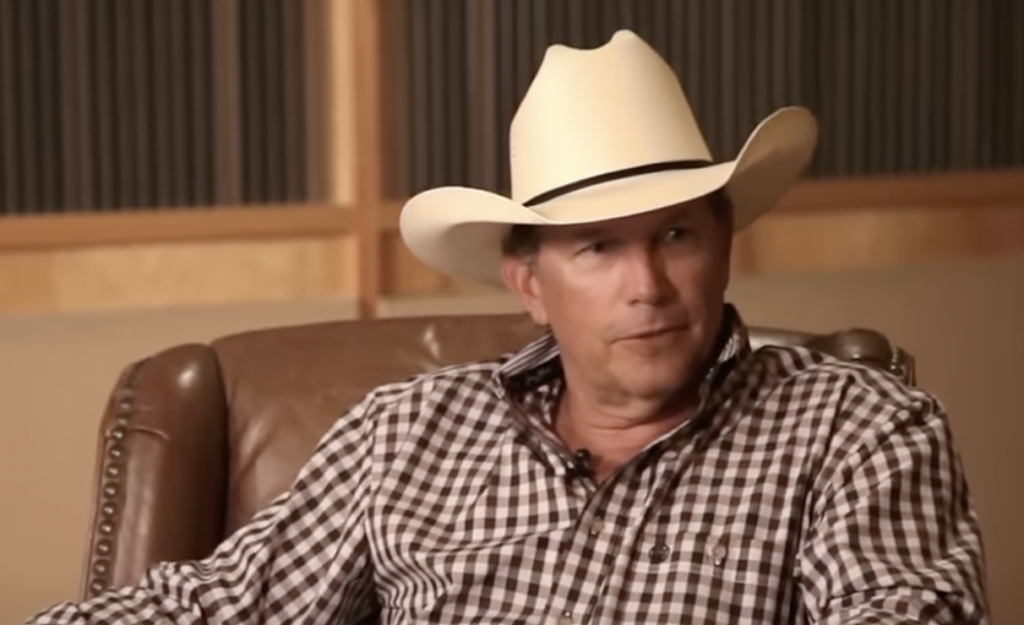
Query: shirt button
[(659, 553), (596, 525), (565, 618), (718, 553)]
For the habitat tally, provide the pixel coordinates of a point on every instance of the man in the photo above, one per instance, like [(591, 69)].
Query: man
[(640, 464)]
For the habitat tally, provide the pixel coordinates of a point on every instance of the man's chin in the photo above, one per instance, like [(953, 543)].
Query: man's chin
[(657, 383)]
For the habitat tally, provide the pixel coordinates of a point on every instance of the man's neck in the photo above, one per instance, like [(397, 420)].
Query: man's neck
[(615, 435)]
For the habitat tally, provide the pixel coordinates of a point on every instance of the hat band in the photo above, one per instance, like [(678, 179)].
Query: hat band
[(629, 172)]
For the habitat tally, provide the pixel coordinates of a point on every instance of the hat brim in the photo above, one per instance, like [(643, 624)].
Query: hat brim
[(459, 230)]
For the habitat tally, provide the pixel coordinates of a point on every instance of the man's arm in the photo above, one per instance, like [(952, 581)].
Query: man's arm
[(897, 540), (303, 559)]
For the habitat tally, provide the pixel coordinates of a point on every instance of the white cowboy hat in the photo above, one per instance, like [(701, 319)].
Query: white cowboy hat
[(601, 134)]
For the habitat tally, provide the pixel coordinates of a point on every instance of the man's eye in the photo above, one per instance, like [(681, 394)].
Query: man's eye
[(676, 234), (596, 247)]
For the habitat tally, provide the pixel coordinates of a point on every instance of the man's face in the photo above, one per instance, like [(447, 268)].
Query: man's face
[(635, 303)]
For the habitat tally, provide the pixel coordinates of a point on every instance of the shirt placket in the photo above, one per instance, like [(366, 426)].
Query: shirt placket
[(669, 458), (637, 515), (604, 518), (570, 594), (588, 550)]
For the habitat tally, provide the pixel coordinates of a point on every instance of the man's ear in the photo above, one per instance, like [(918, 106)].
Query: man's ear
[(724, 216), (727, 247), (519, 275)]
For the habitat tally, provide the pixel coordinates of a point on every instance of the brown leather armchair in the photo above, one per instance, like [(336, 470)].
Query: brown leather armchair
[(197, 438)]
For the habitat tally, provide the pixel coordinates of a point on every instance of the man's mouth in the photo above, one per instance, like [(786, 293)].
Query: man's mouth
[(654, 333)]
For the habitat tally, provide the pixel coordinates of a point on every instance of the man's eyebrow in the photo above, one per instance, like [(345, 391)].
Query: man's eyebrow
[(679, 213), (588, 232), (673, 215)]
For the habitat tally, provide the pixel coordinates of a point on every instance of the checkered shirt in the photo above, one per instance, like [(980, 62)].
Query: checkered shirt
[(807, 490)]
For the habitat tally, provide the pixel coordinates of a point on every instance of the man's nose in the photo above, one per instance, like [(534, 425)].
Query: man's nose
[(647, 279)]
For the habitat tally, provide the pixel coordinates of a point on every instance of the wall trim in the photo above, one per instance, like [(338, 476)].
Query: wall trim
[(130, 227)]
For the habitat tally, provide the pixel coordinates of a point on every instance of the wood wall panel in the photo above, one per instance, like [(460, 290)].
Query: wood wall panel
[(340, 101), (827, 224), (145, 227), (403, 274), (177, 274), (806, 241), (815, 242), (312, 267)]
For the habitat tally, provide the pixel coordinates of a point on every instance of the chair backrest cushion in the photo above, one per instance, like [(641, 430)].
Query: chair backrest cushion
[(286, 386), (198, 438)]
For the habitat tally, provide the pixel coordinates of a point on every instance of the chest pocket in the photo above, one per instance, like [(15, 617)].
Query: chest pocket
[(698, 577)]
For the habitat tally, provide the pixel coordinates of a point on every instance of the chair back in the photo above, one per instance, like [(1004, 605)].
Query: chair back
[(198, 438)]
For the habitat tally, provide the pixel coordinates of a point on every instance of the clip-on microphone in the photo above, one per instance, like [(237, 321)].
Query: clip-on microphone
[(582, 465)]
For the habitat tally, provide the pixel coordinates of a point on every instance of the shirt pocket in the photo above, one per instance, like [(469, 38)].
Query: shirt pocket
[(698, 577)]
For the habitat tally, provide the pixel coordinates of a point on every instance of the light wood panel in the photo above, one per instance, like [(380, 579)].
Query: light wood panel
[(815, 242), (177, 274), (364, 30), (173, 225), (823, 225), (995, 187), (259, 254), (296, 268), (807, 241), (341, 93), (178, 257)]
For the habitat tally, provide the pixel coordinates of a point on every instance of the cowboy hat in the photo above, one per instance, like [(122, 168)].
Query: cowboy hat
[(601, 134)]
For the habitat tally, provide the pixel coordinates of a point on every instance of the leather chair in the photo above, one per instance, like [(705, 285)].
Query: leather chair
[(198, 438)]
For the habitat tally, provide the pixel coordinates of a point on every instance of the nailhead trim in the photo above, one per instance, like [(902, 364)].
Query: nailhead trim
[(112, 472)]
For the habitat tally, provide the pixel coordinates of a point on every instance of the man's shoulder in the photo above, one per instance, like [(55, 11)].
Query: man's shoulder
[(473, 378), (854, 410), (472, 374), (860, 388)]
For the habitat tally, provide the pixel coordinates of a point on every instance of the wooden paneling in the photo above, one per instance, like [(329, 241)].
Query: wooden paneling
[(378, 110), (140, 227), (1001, 187), (808, 242), (340, 99), (364, 31), (177, 274), (824, 241), (403, 274), (793, 239), (825, 225)]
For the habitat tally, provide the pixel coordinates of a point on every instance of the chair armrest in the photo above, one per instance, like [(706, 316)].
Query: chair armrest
[(160, 480)]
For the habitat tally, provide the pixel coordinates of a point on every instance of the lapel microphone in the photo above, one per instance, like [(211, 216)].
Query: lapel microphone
[(582, 465)]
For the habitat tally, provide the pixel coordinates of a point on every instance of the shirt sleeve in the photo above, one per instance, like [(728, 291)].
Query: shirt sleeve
[(303, 559), (897, 540)]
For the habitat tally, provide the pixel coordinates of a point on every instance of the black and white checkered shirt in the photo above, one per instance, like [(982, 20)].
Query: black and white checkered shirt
[(808, 490)]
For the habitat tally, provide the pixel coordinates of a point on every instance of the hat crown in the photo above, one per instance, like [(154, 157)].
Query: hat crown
[(593, 112)]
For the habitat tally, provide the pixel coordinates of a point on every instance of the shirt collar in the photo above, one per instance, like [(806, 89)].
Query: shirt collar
[(539, 363)]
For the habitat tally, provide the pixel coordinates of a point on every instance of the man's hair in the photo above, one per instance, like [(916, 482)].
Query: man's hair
[(523, 240)]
